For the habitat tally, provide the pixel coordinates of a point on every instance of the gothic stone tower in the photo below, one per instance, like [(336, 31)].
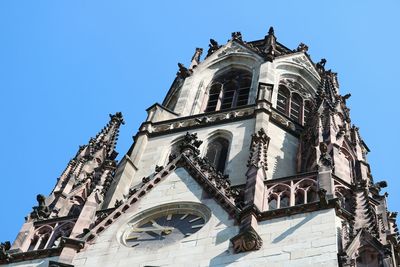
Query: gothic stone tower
[(251, 160)]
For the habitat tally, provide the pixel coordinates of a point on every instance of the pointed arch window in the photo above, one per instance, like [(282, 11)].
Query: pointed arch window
[(217, 153), (229, 90), (293, 105)]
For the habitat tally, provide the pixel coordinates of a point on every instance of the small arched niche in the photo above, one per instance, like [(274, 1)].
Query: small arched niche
[(217, 149)]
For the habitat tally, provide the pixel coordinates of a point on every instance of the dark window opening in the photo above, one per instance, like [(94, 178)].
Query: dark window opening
[(217, 153), (229, 91)]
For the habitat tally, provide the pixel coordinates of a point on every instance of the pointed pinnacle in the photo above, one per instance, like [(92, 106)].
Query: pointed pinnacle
[(271, 31)]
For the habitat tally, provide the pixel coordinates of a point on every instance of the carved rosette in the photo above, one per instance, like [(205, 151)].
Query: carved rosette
[(247, 240)]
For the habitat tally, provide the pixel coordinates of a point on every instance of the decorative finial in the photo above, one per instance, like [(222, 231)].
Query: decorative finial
[(302, 48), (270, 45), (117, 117), (321, 65), (271, 31), (213, 46), (183, 71), (196, 58), (237, 36)]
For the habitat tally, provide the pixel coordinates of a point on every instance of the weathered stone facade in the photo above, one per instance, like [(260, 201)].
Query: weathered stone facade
[(256, 143)]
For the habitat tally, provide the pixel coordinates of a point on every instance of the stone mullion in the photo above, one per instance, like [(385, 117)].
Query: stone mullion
[(292, 194), (51, 237)]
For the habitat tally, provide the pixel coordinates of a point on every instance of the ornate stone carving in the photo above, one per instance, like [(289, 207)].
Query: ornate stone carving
[(247, 240), (295, 86), (183, 72), (213, 46), (302, 48), (270, 45), (325, 159), (258, 150), (158, 168), (41, 211), (190, 144), (196, 58), (305, 62), (4, 247), (320, 66), (234, 49), (237, 36)]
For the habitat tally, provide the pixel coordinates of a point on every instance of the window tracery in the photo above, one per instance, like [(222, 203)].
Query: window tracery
[(229, 90), (295, 105)]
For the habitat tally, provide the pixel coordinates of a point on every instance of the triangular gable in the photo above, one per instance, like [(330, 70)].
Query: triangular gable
[(199, 169), (302, 60), (232, 48), (364, 239)]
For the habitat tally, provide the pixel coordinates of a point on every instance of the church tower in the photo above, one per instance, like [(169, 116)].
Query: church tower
[(251, 160)]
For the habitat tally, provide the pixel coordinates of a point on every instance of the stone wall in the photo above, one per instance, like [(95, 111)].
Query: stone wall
[(300, 240), (282, 152)]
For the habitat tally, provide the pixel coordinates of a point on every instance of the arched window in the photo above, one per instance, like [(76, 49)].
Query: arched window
[(229, 90), (293, 105), (40, 238), (283, 100), (279, 197), (305, 192), (217, 153), (214, 97)]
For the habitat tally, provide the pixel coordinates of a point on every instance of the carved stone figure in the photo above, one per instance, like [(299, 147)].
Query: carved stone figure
[(41, 211), (4, 255), (183, 71), (302, 48), (237, 36), (320, 66), (213, 46)]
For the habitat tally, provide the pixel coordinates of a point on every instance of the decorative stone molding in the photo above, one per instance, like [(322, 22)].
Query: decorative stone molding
[(190, 144), (74, 243), (296, 87), (247, 240), (258, 150), (201, 120)]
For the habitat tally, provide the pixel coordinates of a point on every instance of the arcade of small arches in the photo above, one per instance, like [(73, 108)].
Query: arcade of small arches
[(49, 236)]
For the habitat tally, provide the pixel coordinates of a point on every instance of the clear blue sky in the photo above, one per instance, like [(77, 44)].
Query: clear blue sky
[(65, 65)]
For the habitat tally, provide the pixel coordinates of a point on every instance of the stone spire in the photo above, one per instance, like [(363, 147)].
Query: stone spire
[(270, 45), (77, 196), (85, 169)]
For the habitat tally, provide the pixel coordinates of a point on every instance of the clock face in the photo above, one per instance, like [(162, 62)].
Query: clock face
[(165, 225)]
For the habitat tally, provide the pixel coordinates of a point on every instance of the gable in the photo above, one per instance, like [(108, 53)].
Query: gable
[(179, 187), (300, 64)]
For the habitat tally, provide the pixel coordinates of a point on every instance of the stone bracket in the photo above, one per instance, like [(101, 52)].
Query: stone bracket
[(246, 240), (72, 243)]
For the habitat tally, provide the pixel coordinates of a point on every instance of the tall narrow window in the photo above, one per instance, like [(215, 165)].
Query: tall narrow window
[(229, 90), (214, 97), (217, 153), (295, 108), (283, 100)]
